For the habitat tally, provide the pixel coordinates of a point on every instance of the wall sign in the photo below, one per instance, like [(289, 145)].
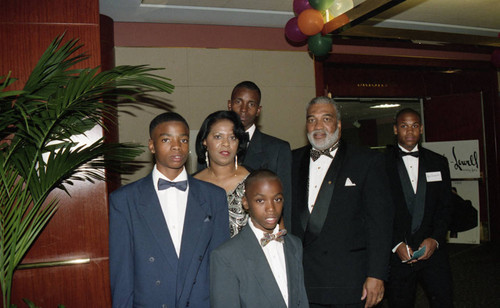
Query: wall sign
[(463, 157)]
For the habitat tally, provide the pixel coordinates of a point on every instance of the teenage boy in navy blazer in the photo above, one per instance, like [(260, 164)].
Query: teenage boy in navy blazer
[(164, 226)]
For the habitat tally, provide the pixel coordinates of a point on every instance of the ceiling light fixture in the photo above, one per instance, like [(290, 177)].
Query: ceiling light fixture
[(385, 106), (451, 71)]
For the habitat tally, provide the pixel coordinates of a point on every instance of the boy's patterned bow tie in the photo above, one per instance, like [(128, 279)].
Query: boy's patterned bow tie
[(269, 237)]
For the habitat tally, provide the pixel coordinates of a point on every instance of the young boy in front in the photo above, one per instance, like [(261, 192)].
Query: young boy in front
[(164, 226), (261, 267)]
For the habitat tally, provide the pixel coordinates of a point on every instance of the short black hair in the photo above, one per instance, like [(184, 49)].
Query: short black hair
[(166, 117), (260, 174), (247, 85), (406, 110), (206, 126)]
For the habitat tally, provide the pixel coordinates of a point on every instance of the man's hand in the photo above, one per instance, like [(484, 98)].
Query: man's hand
[(373, 291), (430, 246), (405, 252)]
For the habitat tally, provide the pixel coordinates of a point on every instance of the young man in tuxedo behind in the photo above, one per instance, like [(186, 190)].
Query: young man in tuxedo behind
[(263, 151)]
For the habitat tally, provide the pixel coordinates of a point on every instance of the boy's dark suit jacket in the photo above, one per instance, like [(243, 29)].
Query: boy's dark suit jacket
[(265, 151), (347, 237), (437, 201), (144, 268), (240, 275)]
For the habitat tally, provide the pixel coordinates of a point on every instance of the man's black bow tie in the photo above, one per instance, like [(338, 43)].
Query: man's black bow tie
[(315, 154), (164, 184), (414, 154)]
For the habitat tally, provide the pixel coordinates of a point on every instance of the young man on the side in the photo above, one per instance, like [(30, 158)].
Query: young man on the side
[(421, 193)]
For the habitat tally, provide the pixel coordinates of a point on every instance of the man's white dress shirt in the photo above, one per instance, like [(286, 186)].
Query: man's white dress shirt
[(317, 172), (275, 255), (173, 204)]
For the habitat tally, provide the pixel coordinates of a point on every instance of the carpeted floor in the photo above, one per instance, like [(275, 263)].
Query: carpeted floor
[(476, 276)]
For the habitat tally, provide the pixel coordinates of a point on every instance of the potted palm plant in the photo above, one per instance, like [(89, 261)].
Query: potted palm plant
[(38, 151)]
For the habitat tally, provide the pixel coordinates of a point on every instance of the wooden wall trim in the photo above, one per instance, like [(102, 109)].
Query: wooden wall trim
[(200, 36), (239, 37)]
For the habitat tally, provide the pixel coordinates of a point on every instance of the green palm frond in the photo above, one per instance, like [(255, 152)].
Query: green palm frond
[(44, 143)]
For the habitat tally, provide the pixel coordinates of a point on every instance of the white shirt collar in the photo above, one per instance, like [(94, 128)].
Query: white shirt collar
[(415, 149), (251, 131), (158, 175)]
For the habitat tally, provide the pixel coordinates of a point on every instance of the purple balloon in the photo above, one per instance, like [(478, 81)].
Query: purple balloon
[(293, 32), (300, 5)]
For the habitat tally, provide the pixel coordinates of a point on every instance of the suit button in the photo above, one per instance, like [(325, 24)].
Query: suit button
[(200, 258), (158, 282), (164, 306), (151, 259)]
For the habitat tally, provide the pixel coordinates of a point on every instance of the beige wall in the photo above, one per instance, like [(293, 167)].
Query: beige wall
[(203, 80)]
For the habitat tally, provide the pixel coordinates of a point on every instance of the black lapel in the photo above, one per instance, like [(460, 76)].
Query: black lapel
[(324, 198), (253, 158), (406, 184), (419, 206), (303, 186)]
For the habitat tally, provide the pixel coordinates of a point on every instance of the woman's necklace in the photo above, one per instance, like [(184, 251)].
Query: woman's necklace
[(217, 177)]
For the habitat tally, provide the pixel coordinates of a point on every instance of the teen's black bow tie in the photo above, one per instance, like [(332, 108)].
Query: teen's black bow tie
[(164, 184)]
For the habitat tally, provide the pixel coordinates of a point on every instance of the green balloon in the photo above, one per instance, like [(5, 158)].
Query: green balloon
[(319, 45), (321, 5)]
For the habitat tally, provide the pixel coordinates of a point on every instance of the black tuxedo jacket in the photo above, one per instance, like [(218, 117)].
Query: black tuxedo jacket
[(347, 237), (436, 216), (265, 151)]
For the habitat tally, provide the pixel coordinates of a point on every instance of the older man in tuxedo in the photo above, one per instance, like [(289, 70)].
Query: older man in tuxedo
[(421, 192), (342, 211)]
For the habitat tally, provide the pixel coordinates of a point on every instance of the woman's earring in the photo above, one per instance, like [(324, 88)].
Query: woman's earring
[(236, 162), (207, 160)]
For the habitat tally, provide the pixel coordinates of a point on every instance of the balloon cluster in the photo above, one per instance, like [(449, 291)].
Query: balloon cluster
[(309, 21), (307, 25)]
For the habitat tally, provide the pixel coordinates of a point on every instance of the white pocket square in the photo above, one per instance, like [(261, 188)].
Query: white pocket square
[(348, 182)]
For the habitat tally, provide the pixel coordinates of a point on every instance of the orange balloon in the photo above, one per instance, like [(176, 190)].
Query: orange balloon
[(310, 22)]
